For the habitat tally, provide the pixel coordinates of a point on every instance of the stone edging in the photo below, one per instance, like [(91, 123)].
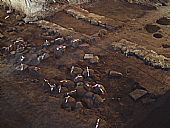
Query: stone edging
[(148, 56)]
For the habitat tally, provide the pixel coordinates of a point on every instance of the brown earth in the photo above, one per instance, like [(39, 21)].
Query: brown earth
[(24, 103)]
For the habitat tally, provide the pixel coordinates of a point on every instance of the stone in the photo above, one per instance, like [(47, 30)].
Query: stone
[(99, 89), (88, 56), (94, 22), (115, 74), (1, 36), (88, 102), (18, 17), (138, 93), (22, 67), (97, 100), (70, 85), (78, 78), (79, 105), (88, 73), (94, 60), (76, 70), (59, 41), (80, 91), (68, 103), (80, 84), (13, 52), (30, 19)]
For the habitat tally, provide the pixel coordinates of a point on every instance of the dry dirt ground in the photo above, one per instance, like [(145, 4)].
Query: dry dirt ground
[(25, 104)]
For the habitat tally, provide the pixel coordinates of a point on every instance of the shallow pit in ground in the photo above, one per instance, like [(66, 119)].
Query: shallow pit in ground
[(69, 22), (163, 21), (151, 28), (157, 35)]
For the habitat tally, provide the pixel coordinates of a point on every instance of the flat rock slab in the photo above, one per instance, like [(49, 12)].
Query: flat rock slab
[(138, 93), (88, 56)]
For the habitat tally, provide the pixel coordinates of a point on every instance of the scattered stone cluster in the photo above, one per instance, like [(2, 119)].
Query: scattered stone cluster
[(80, 91), (92, 18), (148, 56)]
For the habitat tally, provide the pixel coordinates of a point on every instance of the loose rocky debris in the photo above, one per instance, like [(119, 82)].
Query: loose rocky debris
[(138, 93), (94, 19), (148, 56)]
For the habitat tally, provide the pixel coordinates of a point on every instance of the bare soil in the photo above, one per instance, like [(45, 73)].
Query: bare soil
[(24, 103)]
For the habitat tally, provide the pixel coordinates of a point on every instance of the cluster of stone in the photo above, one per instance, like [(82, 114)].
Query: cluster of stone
[(148, 56), (78, 92), (93, 19)]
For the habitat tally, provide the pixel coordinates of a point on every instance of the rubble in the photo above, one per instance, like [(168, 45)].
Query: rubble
[(148, 56), (93, 19)]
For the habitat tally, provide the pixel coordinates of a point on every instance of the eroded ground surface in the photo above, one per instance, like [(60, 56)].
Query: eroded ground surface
[(25, 102)]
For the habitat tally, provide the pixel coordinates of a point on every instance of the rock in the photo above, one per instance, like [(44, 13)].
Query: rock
[(70, 85), (94, 22), (13, 52), (97, 100), (80, 91), (59, 41), (78, 78), (79, 105), (1, 36), (102, 33), (94, 60), (76, 70), (88, 56), (99, 89), (22, 67), (80, 84), (115, 74), (30, 19), (89, 95), (59, 51), (68, 103), (64, 90), (88, 102), (138, 93), (75, 43), (88, 73), (18, 17)]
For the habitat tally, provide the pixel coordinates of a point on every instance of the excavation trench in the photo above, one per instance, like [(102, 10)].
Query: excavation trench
[(69, 22)]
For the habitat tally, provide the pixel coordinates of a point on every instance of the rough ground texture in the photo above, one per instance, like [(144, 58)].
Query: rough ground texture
[(26, 103)]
